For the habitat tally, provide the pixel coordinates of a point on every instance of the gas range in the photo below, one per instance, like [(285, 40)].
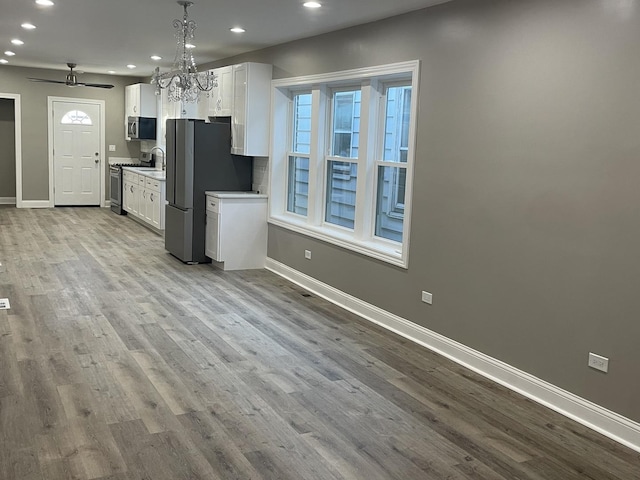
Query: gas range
[(115, 175)]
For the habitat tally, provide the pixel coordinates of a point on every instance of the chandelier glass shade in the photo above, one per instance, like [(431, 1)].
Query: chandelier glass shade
[(183, 83)]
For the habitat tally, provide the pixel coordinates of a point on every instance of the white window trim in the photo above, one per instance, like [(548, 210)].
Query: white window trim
[(362, 240)]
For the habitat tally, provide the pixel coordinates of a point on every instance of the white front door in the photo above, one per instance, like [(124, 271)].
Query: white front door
[(76, 153)]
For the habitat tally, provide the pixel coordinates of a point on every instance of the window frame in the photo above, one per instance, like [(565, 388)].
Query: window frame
[(371, 80)]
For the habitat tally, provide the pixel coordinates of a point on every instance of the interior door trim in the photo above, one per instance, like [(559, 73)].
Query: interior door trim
[(17, 121), (103, 159)]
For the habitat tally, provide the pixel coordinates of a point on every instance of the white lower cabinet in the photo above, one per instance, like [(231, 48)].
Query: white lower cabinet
[(144, 197), (236, 230)]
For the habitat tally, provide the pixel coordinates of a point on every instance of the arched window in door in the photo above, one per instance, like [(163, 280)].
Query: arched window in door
[(76, 117)]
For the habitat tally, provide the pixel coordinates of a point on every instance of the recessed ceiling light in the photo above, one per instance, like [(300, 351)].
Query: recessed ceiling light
[(311, 4), (131, 66), (9, 53), (4, 60), (237, 30), (45, 3), (111, 71), (156, 57), (28, 26), (190, 45), (17, 41)]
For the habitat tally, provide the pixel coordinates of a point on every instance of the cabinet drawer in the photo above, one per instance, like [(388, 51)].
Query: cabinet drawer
[(129, 176), (213, 204), (153, 184)]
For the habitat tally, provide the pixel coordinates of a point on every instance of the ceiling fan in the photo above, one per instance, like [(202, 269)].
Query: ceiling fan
[(72, 80)]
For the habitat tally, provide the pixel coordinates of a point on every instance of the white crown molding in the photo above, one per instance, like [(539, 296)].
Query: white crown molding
[(589, 414)]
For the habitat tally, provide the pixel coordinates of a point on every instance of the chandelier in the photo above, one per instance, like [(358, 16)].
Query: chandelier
[(183, 82)]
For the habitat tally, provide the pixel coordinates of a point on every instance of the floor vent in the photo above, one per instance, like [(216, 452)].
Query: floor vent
[(4, 304)]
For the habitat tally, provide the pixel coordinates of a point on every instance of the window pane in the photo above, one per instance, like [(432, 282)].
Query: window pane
[(345, 127), (301, 123), (390, 202), (396, 131), (341, 193), (298, 185), (76, 117)]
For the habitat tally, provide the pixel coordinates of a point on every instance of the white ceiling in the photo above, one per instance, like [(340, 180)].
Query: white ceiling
[(102, 35)]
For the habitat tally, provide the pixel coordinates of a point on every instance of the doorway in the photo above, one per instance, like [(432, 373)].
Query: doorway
[(76, 152), (11, 161)]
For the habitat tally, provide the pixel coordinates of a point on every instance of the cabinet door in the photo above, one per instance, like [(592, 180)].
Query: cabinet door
[(221, 100), (155, 208), (239, 115), (212, 236), (126, 196)]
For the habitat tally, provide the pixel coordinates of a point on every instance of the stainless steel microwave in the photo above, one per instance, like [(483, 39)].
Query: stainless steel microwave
[(141, 128)]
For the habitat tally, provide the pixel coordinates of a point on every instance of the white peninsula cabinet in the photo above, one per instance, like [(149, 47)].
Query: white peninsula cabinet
[(243, 94), (236, 230), (143, 195)]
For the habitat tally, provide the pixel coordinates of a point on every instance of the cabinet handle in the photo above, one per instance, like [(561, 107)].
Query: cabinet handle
[(131, 188), (151, 197)]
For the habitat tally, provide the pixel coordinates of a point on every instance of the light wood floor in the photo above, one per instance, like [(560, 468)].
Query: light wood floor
[(119, 362)]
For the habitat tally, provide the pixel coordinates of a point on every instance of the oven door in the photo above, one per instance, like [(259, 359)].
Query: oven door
[(115, 181)]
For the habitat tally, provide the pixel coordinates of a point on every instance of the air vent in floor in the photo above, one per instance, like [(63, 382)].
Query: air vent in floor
[(4, 304)]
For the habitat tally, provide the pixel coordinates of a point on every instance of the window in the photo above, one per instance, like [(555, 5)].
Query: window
[(76, 117), (342, 175), (298, 168), (392, 168), (342, 158)]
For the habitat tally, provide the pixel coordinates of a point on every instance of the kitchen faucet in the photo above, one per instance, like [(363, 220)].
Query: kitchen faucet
[(164, 164)]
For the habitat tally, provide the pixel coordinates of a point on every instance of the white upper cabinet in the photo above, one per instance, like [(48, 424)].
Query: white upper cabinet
[(243, 93), (140, 100), (250, 110), (221, 98)]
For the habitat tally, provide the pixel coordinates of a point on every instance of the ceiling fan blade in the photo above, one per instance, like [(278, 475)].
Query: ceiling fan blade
[(46, 80), (72, 80), (96, 85)]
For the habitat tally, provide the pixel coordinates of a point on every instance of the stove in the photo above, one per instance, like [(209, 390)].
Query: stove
[(115, 180)]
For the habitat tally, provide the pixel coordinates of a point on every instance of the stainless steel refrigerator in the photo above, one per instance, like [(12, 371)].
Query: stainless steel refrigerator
[(198, 160)]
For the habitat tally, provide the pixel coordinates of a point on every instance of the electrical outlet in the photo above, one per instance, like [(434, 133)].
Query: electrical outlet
[(427, 297), (307, 254), (112, 148), (4, 304), (598, 362)]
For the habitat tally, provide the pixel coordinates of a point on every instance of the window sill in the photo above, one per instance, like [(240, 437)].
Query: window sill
[(380, 250)]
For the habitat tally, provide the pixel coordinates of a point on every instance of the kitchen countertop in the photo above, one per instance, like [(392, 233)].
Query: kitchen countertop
[(236, 194), (148, 172)]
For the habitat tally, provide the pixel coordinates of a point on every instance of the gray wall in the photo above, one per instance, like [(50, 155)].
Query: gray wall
[(7, 149), (526, 207), (35, 160)]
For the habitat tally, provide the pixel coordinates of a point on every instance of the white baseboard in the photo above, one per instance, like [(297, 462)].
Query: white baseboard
[(36, 204), (107, 204), (7, 200), (606, 422)]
